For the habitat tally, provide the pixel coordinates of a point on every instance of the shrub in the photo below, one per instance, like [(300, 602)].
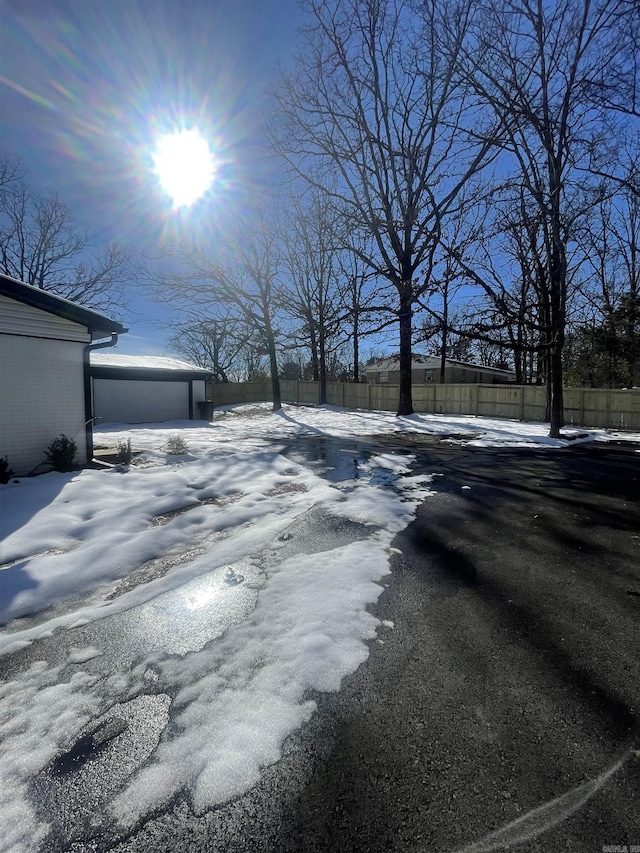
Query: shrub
[(177, 446), (61, 453), (6, 473), (125, 454)]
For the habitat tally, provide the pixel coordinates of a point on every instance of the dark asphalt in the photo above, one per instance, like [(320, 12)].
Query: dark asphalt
[(511, 678)]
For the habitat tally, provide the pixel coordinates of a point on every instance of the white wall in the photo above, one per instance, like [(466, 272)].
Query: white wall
[(41, 396), (139, 401)]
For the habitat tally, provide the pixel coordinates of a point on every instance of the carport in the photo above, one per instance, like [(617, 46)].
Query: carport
[(145, 389)]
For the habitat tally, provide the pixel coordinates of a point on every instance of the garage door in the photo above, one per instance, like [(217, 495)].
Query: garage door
[(134, 402)]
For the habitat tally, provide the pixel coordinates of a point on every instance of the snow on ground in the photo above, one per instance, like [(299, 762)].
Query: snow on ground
[(257, 421), (236, 632)]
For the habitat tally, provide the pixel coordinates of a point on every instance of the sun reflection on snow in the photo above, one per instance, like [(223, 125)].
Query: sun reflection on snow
[(196, 599)]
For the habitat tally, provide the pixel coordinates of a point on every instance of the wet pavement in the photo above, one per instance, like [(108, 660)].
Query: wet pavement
[(501, 711), (508, 682)]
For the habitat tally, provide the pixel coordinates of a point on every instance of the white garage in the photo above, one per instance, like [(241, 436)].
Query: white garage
[(145, 389)]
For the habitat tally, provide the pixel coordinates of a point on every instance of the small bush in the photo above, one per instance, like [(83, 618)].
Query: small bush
[(61, 453), (125, 454), (177, 446), (6, 473)]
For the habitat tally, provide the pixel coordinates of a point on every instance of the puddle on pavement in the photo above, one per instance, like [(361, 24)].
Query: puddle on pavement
[(178, 621), (333, 459), (341, 461), (72, 791)]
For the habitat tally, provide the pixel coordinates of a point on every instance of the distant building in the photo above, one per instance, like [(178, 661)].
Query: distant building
[(426, 368)]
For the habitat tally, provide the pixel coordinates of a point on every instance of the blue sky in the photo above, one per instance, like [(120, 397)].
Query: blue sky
[(87, 86)]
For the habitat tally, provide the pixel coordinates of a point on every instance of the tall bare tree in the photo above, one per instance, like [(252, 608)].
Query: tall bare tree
[(535, 63), (375, 115), (310, 265)]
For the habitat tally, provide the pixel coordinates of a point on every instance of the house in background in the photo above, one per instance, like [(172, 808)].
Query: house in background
[(45, 388), (426, 368), (132, 389)]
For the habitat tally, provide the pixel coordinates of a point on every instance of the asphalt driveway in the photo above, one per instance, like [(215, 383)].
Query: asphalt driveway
[(502, 708)]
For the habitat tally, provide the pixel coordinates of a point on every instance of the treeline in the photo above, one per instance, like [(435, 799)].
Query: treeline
[(465, 172), (462, 178)]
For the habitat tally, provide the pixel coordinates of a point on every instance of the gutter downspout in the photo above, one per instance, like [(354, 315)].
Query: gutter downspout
[(88, 396)]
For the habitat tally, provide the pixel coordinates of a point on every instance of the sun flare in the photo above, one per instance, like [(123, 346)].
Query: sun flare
[(184, 166)]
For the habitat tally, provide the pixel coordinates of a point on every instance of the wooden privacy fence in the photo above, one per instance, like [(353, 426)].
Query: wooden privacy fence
[(587, 407)]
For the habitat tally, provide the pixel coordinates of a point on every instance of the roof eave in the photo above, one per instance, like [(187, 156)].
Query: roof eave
[(98, 325)]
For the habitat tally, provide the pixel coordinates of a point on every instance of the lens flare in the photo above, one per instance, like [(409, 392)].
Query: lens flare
[(184, 165)]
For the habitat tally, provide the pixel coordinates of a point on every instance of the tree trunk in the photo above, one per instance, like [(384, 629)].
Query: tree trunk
[(323, 367), (445, 323), (558, 288), (405, 402), (273, 363), (356, 344), (313, 345), (275, 380), (555, 385)]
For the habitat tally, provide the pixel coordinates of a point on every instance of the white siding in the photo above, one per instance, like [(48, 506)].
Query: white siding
[(19, 319), (139, 401), (41, 395)]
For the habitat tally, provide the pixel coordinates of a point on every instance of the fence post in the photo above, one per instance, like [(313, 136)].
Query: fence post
[(521, 388), (369, 390)]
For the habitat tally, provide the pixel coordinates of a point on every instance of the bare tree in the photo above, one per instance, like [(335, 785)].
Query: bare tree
[(41, 245), (309, 292), (497, 256), (361, 315), (236, 271), (535, 64), (10, 172), (604, 337), (374, 116), (216, 343)]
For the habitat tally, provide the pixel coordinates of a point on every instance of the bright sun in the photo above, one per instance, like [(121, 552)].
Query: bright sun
[(184, 166)]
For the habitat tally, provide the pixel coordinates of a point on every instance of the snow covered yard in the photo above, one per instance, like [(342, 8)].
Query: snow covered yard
[(191, 556)]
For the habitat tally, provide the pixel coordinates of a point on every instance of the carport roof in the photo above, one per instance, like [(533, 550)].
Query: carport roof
[(125, 364), (97, 324)]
